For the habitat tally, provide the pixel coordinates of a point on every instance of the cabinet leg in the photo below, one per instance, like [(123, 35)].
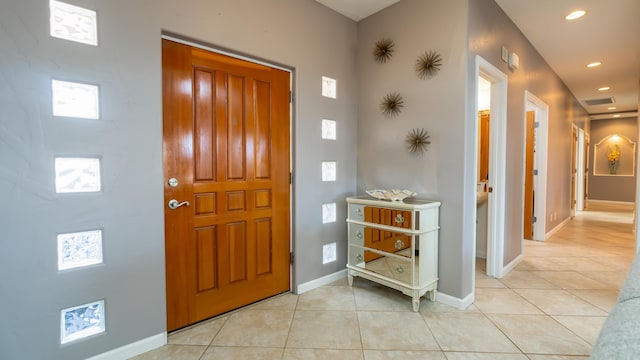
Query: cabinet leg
[(432, 295), (416, 304), (350, 279)]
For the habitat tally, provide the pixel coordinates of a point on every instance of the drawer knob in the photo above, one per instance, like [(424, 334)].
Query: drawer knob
[(359, 235), (359, 257), (399, 219), (399, 269), (399, 244)]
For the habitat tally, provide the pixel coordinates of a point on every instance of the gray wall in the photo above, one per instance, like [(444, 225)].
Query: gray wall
[(612, 188), (436, 104), (489, 29), (126, 65), (300, 34)]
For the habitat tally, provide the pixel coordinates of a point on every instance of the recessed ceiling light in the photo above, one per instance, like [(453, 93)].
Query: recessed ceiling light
[(575, 15), (612, 108), (604, 88), (594, 64)]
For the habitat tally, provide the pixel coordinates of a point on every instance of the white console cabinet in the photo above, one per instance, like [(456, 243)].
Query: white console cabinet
[(395, 243)]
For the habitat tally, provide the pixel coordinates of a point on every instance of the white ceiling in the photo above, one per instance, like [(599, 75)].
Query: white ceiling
[(357, 9), (609, 32)]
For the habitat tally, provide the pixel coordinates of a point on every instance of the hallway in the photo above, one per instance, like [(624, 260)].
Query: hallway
[(550, 307)]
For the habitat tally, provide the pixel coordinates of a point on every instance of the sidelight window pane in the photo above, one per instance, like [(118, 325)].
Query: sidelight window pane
[(328, 213), (82, 321), (329, 87), (76, 100), (79, 249), (329, 170), (75, 175), (329, 131), (73, 23)]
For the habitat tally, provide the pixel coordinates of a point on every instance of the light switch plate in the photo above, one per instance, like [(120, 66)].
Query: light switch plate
[(514, 61), (505, 54)]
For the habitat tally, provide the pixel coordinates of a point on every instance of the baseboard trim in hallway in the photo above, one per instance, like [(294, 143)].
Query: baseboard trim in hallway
[(609, 202), (319, 282), (454, 301), (134, 349), (553, 231)]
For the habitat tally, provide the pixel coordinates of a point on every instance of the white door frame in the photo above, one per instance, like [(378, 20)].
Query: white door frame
[(580, 190), (540, 160), (497, 164), (574, 157)]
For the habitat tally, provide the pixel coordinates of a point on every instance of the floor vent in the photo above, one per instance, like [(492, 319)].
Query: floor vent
[(603, 101)]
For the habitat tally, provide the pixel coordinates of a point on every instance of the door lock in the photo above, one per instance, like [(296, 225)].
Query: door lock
[(174, 204)]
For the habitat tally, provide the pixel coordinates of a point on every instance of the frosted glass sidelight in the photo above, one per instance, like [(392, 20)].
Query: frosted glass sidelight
[(79, 249), (82, 321), (73, 23), (329, 170), (74, 175), (329, 87), (76, 100), (328, 213), (329, 131)]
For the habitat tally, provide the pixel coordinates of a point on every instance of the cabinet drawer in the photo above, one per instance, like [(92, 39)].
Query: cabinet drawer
[(356, 212), (387, 241), (387, 266), (389, 217), (356, 234)]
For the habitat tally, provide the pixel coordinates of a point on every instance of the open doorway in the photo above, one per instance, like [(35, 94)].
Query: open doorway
[(491, 160)]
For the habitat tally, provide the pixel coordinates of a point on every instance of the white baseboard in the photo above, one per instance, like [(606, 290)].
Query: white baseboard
[(609, 202), (454, 301), (507, 269), (133, 349), (314, 284), (556, 229)]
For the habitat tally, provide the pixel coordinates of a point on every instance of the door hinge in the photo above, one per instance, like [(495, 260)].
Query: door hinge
[(533, 219), (290, 97), (536, 124), (291, 258), (535, 172), (290, 178)]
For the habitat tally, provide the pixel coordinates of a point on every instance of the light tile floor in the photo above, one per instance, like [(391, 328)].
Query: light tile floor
[(551, 306)]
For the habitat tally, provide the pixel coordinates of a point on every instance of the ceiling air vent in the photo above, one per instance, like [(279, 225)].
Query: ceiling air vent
[(603, 101)]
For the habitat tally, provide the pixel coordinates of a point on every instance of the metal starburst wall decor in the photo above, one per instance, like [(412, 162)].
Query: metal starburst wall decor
[(383, 50), (391, 105), (417, 141), (428, 64)]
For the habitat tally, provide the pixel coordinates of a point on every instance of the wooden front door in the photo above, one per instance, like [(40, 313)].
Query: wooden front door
[(226, 145), (528, 176)]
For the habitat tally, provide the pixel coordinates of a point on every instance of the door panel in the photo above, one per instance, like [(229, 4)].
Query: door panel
[(226, 140), (484, 125), (528, 176)]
